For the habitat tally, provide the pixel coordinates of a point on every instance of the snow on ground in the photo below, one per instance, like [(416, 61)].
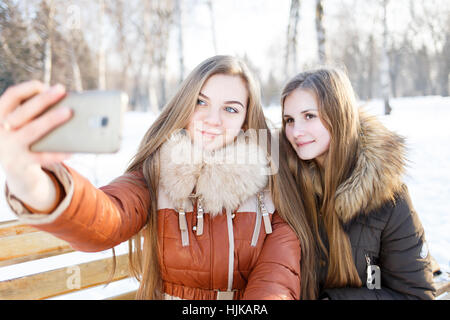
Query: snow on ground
[(424, 121)]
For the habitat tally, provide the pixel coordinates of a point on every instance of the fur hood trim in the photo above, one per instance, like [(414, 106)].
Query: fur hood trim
[(377, 176), (223, 178)]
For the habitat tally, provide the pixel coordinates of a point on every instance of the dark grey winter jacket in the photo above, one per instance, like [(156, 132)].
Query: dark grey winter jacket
[(375, 209)]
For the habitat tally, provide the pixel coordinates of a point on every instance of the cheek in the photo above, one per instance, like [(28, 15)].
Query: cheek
[(196, 117), (289, 135), (323, 135), (233, 123)]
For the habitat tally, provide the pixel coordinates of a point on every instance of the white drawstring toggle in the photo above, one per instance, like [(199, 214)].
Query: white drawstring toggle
[(183, 227), (265, 213), (199, 228)]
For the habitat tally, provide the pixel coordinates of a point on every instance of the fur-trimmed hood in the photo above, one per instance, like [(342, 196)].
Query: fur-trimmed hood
[(223, 178), (378, 172)]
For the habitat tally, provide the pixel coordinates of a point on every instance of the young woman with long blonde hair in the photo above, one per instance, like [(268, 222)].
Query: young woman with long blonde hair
[(199, 227), (348, 169)]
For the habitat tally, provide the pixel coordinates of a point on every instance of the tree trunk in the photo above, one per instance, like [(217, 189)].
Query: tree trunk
[(48, 43), (78, 83), (102, 49), (385, 78), (290, 63), (444, 70), (179, 26), (320, 30)]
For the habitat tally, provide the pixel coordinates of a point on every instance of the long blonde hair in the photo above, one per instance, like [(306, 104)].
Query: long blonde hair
[(143, 247), (338, 112)]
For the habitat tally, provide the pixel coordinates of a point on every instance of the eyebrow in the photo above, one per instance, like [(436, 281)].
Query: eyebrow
[(304, 111), (226, 102)]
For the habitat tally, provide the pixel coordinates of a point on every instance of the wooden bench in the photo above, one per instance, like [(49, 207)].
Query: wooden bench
[(21, 243)]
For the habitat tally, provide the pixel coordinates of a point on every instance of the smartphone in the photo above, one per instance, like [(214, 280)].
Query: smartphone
[(95, 126)]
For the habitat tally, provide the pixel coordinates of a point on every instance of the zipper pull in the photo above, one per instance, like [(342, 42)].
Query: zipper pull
[(369, 271), (183, 227), (373, 275), (199, 227), (265, 213), (367, 259), (182, 219)]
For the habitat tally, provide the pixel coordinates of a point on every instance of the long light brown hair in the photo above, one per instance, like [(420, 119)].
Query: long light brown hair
[(338, 113), (143, 248)]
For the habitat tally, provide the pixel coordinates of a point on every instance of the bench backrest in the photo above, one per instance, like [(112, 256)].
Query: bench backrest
[(21, 243)]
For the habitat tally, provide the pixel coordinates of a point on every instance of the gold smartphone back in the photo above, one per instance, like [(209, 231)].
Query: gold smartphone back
[(95, 126)]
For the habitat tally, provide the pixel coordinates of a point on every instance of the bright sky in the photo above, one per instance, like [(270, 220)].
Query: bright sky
[(256, 28)]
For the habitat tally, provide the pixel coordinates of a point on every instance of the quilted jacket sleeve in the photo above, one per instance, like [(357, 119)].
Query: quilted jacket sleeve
[(276, 275), (92, 219)]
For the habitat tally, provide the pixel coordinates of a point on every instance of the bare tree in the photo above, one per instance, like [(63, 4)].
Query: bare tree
[(385, 77), (444, 74), (77, 79), (117, 12), (19, 56), (49, 6), (432, 17), (102, 46), (320, 30), (164, 13), (179, 26), (290, 63)]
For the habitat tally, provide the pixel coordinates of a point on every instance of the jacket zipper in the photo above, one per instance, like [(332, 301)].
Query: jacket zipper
[(373, 273)]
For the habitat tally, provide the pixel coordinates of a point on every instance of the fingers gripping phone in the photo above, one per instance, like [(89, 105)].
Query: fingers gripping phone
[(95, 126)]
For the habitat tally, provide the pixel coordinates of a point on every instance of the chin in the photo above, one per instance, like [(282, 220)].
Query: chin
[(305, 157)]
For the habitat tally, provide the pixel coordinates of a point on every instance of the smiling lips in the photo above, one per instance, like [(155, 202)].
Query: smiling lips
[(302, 144), (210, 134)]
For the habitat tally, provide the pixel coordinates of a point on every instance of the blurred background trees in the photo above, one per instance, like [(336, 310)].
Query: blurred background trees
[(389, 48)]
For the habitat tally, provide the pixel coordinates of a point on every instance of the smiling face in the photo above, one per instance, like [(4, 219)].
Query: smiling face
[(303, 127), (220, 111)]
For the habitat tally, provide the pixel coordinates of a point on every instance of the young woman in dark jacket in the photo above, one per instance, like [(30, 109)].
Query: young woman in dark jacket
[(348, 168)]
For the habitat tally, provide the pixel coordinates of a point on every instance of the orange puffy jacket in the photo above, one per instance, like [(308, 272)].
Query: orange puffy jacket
[(210, 247)]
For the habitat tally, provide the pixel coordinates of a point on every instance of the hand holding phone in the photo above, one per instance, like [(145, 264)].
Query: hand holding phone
[(48, 119), (95, 126)]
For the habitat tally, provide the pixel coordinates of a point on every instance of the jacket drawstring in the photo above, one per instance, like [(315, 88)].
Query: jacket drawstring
[(199, 227), (261, 214), (265, 213), (183, 227)]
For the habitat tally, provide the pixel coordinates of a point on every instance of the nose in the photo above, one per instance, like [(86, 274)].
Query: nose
[(298, 131), (213, 118)]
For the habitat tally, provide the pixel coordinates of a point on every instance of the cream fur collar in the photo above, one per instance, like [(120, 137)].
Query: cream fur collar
[(224, 179)]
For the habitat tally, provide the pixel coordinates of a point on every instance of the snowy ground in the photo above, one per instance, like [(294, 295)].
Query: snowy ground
[(422, 120)]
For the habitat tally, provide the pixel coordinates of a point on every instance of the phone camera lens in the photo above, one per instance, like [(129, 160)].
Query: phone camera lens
[(104, 121)]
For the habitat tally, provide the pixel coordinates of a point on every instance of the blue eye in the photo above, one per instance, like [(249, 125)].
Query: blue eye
[(201, 102), (231, 110)]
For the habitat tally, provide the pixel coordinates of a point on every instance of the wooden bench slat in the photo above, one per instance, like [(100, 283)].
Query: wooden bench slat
[(57, 282), (30, 246), (14, 227)]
